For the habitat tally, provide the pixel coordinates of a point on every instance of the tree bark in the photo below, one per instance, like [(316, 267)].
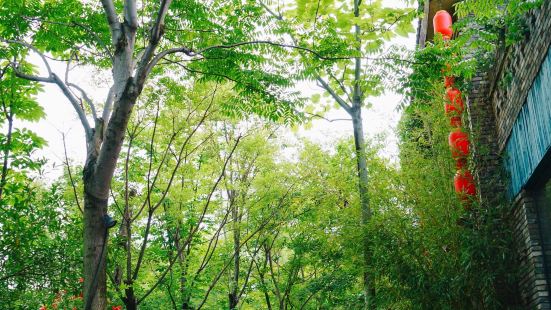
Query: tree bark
[(6, 154), (233, 296), (361, 160), (95, 234), (359, 142), (98, 171)]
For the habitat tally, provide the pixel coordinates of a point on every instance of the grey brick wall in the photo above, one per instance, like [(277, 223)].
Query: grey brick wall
[(534, 284), (494, 103), (519, 64)]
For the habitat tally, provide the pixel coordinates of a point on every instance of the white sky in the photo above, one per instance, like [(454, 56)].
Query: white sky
[(382, 118)]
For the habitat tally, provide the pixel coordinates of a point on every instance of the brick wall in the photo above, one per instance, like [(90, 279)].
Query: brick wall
[(534, 284), (485, 149), (494, 103), (519, 64)]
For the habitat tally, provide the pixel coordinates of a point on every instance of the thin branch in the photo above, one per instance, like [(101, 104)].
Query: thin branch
[(70, 174), (327, 119), (189, 52), (192, 233), (34, 78), (211, 247), (86, 99), (34, 49), (335, 96), (73, 24), (341, 85), (147, 61), (53, 78), (75, 103), (276, 16)]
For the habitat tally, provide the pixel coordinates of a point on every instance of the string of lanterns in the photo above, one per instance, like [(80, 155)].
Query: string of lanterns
[(453, 108)]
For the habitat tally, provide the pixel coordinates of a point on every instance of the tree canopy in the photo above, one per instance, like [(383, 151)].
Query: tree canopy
[(193, 197)]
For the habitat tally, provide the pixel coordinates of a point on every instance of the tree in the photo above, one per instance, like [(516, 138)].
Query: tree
[(361, 31)]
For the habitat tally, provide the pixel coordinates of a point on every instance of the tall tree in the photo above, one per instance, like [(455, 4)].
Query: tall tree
[(354, 35)]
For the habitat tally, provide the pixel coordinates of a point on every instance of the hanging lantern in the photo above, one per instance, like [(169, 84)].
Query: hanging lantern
[(454, 104), (460, 163), (455, 121), (459, 144), (442, 22), (464, 183), (449, 81)]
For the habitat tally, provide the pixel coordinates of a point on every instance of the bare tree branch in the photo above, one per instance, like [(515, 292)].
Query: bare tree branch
[(341, 85), (276, 16), (145, 64), (53, 78), (333, 94), (86, 99), (75, 103), (108, 105), (327, 119), (77, 200), (34, 49), (112, 19), (130, 13)]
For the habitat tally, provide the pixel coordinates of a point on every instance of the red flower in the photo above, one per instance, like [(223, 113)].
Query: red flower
[(80, 280), (116, 308)]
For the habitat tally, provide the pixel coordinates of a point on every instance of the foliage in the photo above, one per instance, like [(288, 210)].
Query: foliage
[(215, 209), (39, 236), (498, 18), (458, 258)]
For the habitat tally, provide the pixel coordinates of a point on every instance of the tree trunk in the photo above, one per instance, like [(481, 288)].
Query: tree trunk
[(130, 298), (97, 174), (95, 235), (361, 160), (6, 154), (233, 296)]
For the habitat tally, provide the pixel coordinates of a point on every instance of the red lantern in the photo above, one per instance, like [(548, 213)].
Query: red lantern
[(459, 143), (455, 121), (464, 183), (454, 104), (460, 163), (442, 22), (449, 81)]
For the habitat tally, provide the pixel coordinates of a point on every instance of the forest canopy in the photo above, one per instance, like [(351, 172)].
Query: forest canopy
[(192, 196)]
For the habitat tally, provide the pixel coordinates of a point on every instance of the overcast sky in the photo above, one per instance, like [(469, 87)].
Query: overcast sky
[(61, 118)]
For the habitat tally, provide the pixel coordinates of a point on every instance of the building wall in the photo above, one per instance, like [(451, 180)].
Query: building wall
[(509, 110), (518, 67), (513, 99), (530, 138), (533, 259)]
